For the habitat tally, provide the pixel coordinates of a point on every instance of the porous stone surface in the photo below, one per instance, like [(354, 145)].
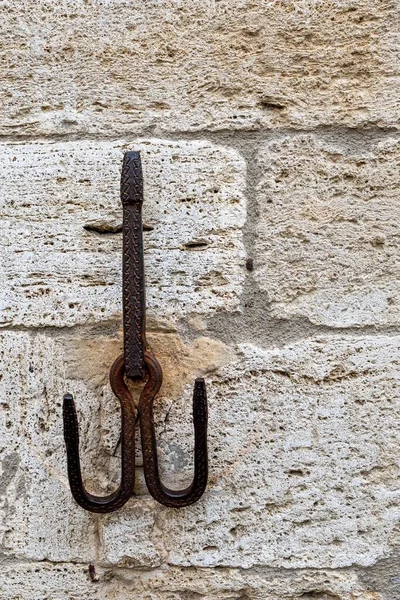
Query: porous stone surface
[(64, 581), (303, 446), (39, 520), (102, 67), (269, 136), (136, 547), (327, 244), (61, 257)]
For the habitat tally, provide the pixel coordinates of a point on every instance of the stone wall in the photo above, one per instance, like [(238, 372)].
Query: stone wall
[(269, 139)]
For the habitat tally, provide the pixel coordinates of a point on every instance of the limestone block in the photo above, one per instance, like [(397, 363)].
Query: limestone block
[(56, 272), (327, 244), (99, 67), (303, 447), (64, 581), (38, 518), (135, 547), (45, 581), (303, 464)]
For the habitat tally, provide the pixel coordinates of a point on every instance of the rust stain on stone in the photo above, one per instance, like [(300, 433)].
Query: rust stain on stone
[(182, 363), (89, 359)]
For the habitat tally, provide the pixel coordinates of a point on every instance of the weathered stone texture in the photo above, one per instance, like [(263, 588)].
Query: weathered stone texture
[(106, 67), (70, 581), (38, 519), (56, 272), (136, 547), (327, 239), (304, 413), (303, 450)]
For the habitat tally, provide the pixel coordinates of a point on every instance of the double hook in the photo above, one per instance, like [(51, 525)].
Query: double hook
[(136, 363)]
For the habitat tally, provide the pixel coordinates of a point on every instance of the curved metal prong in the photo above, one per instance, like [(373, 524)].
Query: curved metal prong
[(164, 495), (90, 502)]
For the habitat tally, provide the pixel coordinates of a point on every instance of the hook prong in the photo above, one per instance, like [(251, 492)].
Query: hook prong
[(164, 495), (118, 498)]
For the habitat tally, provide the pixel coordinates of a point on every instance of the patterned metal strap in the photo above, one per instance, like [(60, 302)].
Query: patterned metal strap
[(133, 288)]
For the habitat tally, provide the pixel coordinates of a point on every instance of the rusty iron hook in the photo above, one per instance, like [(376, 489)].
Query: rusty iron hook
[(164, 495), (136, 363), (118, 498)]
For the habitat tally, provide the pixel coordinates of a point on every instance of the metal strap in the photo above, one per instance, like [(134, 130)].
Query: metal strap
[(133, 286)]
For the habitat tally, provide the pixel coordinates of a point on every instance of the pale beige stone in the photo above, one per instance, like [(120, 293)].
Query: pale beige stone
[(100, 67), (44, 581), (136, 547), (327, 244), (303, 448), (55, 272), (303, 462), (38, 518), (303, 497), (265, 584)]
